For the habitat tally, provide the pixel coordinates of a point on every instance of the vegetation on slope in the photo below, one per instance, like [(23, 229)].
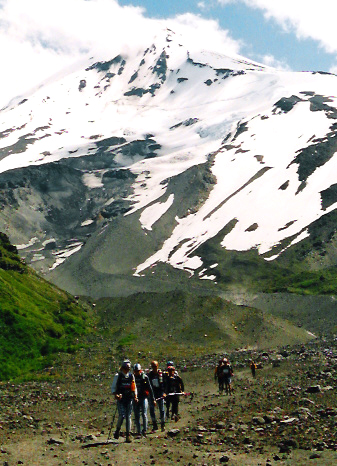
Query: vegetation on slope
[(180, 324), (322, 282), (292, 272), (37, 319)]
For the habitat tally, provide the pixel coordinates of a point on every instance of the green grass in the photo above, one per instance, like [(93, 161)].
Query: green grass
[(322, 282), (37, 320), (180, 324), (292, 272)]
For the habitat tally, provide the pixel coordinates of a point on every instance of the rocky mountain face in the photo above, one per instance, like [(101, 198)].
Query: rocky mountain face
[(162, 168)]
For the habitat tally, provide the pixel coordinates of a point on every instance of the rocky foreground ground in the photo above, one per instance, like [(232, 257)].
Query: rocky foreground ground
[(287, 415)]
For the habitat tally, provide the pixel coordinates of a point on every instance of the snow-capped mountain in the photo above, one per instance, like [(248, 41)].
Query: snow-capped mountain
[(146, 158)]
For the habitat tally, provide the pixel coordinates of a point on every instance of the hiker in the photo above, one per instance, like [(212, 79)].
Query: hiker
[(174, 386), (218, 374), (156, 378), (227, 372), (168, 364), (253, 366), (144, 393), (125, 391)]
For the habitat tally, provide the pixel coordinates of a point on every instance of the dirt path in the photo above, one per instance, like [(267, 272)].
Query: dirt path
[(269, 420)]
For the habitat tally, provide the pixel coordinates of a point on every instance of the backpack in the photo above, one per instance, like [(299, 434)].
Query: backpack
[(143, 386), (226, 371), (125, 385)]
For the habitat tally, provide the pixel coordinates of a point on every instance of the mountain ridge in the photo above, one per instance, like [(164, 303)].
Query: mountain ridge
[(178, 147)]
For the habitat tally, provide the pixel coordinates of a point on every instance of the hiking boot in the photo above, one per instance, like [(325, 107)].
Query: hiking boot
[(163, 426), (128, 438), (116, 434), (176, 418), (144, 433), (155, 426)]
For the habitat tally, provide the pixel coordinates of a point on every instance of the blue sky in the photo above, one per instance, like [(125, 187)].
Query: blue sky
[(39, 38), (259, 37)]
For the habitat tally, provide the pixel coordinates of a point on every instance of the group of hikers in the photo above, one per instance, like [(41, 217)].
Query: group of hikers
[(224, 372), (136, 391)]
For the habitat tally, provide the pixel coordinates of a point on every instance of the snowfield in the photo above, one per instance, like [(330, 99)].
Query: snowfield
[(250, 121)]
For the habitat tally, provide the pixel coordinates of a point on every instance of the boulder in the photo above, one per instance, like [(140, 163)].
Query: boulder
[(314, 389), (55, 441), (220, 425), (224, 459)]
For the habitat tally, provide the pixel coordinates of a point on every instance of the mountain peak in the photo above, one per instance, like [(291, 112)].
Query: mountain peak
[(179, 146)]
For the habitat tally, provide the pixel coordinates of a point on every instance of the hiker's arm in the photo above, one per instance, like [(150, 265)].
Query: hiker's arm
[(134, 391), (151, 394), (114, 385), (167, 388)]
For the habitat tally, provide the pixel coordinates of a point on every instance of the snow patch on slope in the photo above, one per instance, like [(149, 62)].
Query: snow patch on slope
[(153, 213), (249, 174)]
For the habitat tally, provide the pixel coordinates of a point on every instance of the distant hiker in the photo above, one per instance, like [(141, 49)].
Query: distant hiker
[(227, 372), (125, 391), (253, 366), (165, 372), (156, 378), (174, 386), (218, 374), (144, 393), (171, 364)]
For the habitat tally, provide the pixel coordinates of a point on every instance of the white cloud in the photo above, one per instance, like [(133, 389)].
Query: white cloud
[(270, 60), (333, 69), (308, 19), (227, 2), (203, 34), (202, 5), (40, 37)]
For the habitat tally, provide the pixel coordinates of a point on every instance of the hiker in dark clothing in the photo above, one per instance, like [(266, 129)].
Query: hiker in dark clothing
[(144, 393), (252, 366), (125, 391), (156, 378), (218, 374), (165, 371), (173, 385), (227, 372)]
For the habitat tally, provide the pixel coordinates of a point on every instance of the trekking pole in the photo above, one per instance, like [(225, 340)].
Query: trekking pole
[(112, 422), (180, 393)]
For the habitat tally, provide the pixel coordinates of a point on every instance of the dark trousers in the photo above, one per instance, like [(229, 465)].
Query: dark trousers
[(221, 381), (173, 402)]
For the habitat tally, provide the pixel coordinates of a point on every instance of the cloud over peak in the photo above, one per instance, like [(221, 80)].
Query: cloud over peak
[(39, 38)]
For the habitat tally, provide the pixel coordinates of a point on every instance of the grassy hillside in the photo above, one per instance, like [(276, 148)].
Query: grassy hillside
[(180, 324), (293, 272), (315, 313), (37, 319)]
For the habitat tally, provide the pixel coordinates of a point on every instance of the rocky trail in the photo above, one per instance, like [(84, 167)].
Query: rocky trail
[(286, 415)]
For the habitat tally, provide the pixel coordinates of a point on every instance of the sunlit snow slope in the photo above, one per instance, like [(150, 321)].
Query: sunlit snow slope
[(266, 138)]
